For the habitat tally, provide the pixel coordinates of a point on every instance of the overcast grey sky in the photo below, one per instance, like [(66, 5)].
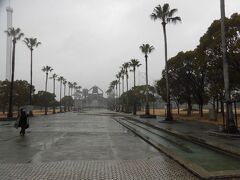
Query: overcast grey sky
[(87, 40)]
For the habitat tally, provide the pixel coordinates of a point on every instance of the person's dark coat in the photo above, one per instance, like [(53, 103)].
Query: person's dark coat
[(23, 120)]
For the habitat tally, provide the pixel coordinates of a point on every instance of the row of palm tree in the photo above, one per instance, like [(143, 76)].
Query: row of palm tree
[(146, 49), (63, 85), (166, 16), (124, 69), (31, 43)]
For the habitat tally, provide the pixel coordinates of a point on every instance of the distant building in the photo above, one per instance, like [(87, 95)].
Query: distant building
[(91, 98)]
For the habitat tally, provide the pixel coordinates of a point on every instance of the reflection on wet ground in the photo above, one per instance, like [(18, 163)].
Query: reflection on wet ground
[(72, 136), (75, 146)]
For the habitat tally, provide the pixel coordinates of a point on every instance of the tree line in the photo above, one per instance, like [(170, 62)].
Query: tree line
[(196, 76), (19, 92)]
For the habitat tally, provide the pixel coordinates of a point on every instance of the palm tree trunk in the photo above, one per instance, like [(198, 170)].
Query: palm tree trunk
[(30, 97), (127, 110), (119, 87), (54, 108), (147, 103), (30, 94), (64, 94), (116, 90), (127, 81), (134, 83), (178, 108), (230, 123), (60, 96), (134, 77), (10, 114), (64, 90), (46, 82), (169, 114), (122, 84)]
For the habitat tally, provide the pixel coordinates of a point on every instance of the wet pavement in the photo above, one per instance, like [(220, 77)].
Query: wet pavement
[(197, 131), (88, 145)]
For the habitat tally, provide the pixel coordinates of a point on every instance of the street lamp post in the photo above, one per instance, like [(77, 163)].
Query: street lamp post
[(231, 127)]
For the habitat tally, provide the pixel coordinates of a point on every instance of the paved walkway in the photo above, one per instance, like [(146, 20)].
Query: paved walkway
[(81, 146)]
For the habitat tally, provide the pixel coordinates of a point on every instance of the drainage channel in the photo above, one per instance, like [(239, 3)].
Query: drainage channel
[(202, 161)]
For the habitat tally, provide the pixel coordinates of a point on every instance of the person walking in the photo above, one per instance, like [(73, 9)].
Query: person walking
[(23, 122)]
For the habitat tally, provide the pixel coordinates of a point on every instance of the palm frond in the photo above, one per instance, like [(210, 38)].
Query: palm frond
[(18, 30), (172, 12), (165, 14), (31, 43), (158, 10), (26, 41), (38, 43), (60, 78), (174, 20), (19, 36), (146, 49), (166, 8), (151, 48), (8, 33), (54, 75), (154, 16)]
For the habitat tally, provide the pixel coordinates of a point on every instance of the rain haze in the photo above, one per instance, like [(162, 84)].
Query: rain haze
[(86, 41)]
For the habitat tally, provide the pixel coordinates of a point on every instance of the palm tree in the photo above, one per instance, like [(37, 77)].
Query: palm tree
[(113, 86), (109, 90), (31, 43), (69, 85), (74, 87), (118, 76), (78, 88), (116, 87), (146, 49), (64, 92), (64, 84), (115, 83), (166, 15), (16, 35), (61, 80), (53, 77), (134, 63), (122, 72), (125, 67), (47, 69)]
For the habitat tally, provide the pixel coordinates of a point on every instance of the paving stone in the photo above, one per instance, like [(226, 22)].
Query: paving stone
[(145, 169)]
